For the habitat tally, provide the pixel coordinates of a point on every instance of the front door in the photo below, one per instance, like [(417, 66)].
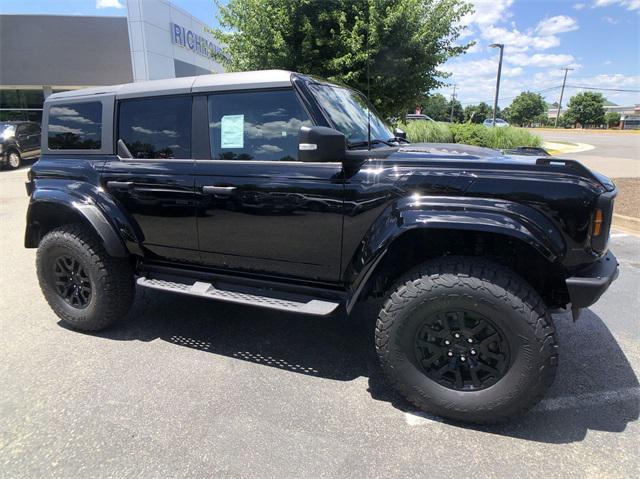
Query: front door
[(155, 187), (258, 208)]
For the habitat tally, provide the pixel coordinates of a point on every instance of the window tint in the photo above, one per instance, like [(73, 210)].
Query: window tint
[(255, 125), (156, 127), (75, 126)]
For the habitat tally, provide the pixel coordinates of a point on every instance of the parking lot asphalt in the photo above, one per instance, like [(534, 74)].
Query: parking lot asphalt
[(188, 387)]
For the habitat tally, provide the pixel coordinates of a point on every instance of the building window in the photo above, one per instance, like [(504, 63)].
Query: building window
[(75, 126), (260, 126), (156, 127), (21, 105)]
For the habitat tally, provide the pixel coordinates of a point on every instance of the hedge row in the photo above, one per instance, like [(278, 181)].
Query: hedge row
[(469, 134)]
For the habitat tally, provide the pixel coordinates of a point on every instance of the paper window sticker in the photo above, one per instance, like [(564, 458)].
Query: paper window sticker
[(232, 131)]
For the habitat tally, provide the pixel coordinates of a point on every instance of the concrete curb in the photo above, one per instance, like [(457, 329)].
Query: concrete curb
[(564, 147), (628, 223)]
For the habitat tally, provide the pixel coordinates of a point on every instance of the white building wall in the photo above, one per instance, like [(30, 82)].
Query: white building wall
[(150, 35)]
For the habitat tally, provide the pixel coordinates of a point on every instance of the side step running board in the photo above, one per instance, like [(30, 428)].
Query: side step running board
[(250, 296)]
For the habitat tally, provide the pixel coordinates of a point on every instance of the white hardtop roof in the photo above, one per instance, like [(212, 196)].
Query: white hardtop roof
[(174, 86)]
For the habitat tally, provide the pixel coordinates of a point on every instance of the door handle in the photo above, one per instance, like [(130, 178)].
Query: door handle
[(218, 190), (120, 185)]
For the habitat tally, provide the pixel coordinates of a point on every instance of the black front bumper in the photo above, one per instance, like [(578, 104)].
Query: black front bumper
[(590, 283)]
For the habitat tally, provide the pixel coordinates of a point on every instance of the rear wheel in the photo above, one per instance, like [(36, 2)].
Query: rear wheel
[(467, 339), (88, 289), (14, 160)]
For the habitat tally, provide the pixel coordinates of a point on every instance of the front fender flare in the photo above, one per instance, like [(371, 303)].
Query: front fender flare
[(450, 213)]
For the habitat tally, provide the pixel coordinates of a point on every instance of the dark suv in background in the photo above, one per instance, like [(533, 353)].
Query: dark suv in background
[(19, 140), (288, 192)]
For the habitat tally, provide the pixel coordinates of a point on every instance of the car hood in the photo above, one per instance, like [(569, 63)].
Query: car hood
[(459, 156), (455, 149), (460, 152)]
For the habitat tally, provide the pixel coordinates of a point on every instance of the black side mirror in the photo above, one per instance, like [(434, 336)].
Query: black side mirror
[(398, 133), (321, 144)]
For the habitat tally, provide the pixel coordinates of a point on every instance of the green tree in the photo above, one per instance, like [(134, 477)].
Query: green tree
[(542, 119), (402, 42), (586, 108), (526, 107), (478, 113), (612, 119), (436, 106), (458, 112)]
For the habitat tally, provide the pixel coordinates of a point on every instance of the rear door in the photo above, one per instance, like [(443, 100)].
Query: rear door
[(155, 187), (259, 208), (28, 137)]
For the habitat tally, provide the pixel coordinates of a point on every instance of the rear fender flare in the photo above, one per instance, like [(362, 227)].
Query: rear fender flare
[(86, 201)]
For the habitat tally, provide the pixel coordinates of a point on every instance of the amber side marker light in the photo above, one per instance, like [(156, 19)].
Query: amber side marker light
[(597, 223)]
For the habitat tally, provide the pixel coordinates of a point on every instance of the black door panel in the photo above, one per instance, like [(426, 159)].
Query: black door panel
[(159, 196), (268, 217)]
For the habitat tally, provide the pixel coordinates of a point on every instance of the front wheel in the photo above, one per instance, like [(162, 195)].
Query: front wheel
[(467, 339), (88, 289)]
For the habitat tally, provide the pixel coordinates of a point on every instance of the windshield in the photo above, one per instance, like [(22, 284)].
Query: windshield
[(7, 130), (349, 112)]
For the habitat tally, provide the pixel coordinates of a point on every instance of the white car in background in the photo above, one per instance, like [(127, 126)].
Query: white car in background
[(499, 123), (418, 116)]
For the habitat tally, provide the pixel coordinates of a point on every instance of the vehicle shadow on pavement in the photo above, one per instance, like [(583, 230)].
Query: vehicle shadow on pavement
[(595, 388)]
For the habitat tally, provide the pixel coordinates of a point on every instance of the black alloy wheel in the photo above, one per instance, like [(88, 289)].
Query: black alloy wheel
[(462, 350), (72, 283)]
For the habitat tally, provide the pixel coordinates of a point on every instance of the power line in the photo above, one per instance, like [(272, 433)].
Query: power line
[(512, 97), (626, 90), (584, 87)]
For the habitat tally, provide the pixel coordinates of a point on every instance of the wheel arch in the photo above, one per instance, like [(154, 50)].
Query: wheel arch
[(45, 214), (403, 239)]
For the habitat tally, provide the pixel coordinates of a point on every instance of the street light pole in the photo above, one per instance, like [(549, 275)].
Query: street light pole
[(566, 70), (453, 99), (495, 101)]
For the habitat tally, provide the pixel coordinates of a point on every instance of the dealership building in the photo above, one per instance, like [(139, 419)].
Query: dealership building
[(42, 54)]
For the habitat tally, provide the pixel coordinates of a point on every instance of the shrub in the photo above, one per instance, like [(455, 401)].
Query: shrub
[(423, 131), (510, 137), (469, 134), (612, 119)]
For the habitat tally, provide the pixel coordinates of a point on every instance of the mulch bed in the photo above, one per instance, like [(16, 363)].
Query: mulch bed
[(628, 200)]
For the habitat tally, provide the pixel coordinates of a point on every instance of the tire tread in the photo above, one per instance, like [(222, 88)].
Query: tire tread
[(477, 274)]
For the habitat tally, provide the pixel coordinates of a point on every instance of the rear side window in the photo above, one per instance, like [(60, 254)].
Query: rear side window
[(75, 126), (259, 126), (156, 127)]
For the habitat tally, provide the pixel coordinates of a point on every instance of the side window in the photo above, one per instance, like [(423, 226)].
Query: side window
[(156, 127), (255, 125), (75, 126)]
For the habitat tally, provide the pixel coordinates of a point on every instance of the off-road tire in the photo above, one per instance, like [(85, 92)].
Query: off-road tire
[(112, 281), (480, 285)]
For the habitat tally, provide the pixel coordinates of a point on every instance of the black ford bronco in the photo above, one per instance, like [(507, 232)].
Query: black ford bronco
[(284, 191)]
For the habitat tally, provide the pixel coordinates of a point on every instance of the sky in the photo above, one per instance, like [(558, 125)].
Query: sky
[(599, 39)]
